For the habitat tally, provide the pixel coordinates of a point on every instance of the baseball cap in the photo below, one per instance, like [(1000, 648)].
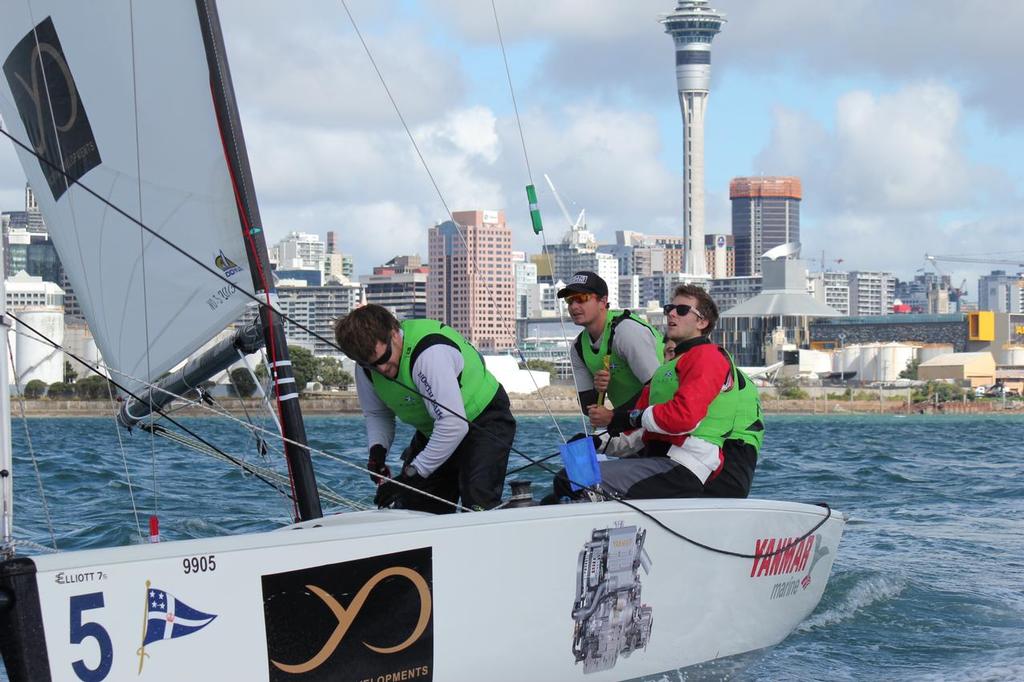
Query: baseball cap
[(584, 282)]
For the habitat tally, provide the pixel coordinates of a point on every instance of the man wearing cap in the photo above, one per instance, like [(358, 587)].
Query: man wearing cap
[(698, 427), (427, 375), (617, 352)]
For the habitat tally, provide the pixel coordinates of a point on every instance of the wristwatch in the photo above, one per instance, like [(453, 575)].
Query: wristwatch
[(635, 418)]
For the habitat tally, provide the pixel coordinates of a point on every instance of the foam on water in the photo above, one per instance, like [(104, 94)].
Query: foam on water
[(865, 593)]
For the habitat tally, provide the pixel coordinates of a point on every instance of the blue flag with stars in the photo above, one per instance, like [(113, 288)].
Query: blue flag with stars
[(167, 617)]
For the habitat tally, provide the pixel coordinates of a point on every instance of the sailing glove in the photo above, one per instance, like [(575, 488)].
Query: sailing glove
[(376, 464), (596, 438), (389, 492)]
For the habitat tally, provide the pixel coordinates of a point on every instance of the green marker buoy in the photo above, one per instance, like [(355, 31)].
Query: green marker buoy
[(531, 195)]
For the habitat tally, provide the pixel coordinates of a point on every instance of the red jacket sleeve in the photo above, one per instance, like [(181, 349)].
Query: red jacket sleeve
[(702, 372)]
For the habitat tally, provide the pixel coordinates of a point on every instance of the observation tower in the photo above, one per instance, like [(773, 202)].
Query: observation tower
[(692, 26)]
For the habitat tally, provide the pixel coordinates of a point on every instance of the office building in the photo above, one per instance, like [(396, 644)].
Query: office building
[(1001, 292), (871, 293), (316, 309), (399, 285), (832, 289), (765, 214), (720, 255), (471, 286)]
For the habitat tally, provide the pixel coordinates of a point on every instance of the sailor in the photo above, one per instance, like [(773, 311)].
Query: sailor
[(617, 352), (428, 376), (700, 420)]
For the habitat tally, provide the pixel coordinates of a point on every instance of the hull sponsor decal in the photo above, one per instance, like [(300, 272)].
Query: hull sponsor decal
[(50, 107), (365, 620), (796, 563), (167, 617), (610, 620)]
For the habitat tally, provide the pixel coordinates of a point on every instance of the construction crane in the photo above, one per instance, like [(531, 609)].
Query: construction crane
[(581, 222), (973, 259)]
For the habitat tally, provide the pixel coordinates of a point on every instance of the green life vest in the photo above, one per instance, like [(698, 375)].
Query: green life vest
[(476, 383), (623, 384), (733, 414)]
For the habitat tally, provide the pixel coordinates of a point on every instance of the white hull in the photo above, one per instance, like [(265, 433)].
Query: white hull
[(481, 596)]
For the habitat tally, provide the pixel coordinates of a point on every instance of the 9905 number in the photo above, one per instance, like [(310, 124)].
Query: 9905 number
[(199, 564)]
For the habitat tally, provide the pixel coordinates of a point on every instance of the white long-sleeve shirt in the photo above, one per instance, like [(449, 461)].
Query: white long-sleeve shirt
[(633, 342), (435, 375)]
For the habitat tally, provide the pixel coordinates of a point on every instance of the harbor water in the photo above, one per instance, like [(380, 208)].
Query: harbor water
[(928, 583)]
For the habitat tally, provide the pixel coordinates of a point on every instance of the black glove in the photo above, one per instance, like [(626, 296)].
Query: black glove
[(376, 464), (389, 491)]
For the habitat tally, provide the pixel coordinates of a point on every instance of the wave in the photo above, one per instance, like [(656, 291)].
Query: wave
[(861, 595)]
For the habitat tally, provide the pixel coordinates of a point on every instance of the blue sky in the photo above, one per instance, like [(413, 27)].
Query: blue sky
[(903, 121)]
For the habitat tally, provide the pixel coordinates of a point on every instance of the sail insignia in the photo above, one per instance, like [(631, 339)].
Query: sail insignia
[(50, 107)]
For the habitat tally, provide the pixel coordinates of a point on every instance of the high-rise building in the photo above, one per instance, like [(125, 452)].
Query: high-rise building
[(527, 289), (1001, 292), (692, 26), (720, 255), (300, 250), (765, 214), (399, 285), (316, 309), (871, 293), (471, 286)]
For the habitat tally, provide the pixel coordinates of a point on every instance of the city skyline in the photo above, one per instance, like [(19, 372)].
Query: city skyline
[(900, 139)]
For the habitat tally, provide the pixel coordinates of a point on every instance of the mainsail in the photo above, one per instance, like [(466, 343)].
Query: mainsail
[(117, 95)]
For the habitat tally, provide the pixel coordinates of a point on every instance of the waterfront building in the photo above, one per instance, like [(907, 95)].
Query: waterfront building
[(693, 25), (28, 291), (765, 215), (871, 293), (759, 330), (399, 285), (1001, 292), (471, 286)]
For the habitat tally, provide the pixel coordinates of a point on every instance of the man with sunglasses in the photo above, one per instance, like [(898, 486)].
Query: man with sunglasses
[(617, 352), (427, 375), (700, 418)]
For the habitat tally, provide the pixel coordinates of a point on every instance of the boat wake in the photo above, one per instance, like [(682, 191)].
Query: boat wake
[(861, 595)]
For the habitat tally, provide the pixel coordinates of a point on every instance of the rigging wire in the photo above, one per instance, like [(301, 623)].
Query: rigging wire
[(142, 250), (544, 242), (124, 459), (28, 441)]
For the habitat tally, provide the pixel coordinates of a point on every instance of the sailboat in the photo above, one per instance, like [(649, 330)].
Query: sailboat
[(124, 119)]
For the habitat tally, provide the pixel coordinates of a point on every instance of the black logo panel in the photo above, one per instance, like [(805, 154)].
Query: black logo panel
[(50, 108), (367, 619)]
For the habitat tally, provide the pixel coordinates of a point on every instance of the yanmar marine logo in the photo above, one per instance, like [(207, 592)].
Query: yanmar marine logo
[(796, 557), (368, 620)]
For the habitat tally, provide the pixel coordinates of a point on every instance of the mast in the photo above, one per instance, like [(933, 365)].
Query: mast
[(307, 498)]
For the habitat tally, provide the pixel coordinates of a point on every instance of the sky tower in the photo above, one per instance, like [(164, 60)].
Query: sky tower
[(692, 26)]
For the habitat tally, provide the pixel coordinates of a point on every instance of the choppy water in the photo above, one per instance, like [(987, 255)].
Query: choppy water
[(928, 583)]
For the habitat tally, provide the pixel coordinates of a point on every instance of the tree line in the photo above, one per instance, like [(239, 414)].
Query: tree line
[(306, 367)]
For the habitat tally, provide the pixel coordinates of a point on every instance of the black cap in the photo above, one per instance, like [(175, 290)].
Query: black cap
[(584, 282)]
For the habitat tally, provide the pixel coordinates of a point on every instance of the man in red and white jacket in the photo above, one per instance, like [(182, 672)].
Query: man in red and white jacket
[(663, 452)]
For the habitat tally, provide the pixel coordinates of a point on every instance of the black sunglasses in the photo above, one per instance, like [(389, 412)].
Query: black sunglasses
[(681, 310), (385, 356)]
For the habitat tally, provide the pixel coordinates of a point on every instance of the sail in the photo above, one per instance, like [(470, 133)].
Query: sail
[(118, 95)]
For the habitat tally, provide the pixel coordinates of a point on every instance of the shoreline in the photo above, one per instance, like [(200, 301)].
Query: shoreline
[(522, 406)]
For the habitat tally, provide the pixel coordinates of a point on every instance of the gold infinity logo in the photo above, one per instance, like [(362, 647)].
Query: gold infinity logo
[(347, 616), (36, 91)]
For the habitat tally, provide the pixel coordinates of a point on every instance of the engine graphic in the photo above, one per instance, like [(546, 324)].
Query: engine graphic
[(610, 618)]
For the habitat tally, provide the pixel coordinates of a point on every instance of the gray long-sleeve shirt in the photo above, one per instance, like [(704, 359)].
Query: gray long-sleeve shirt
[(633, 341), (436, 375)]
